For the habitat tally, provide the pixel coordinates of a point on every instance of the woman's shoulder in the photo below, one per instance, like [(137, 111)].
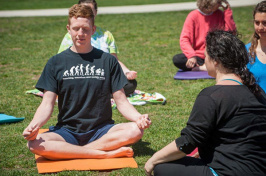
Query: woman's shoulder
[(102, 31), (67, 36), (196, 11), (194, 14), (223, 89), (231, 94), (208, 90)]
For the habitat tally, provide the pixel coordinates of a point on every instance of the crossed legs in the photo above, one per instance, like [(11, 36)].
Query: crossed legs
[(110, 145), (180, 61)]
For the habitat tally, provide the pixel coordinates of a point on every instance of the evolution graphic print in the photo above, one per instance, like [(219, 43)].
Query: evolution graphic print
[(81, 72)]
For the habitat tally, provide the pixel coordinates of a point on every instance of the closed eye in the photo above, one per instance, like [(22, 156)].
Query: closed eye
[(75, 28)]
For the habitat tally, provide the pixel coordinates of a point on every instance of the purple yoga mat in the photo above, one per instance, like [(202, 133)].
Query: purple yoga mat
[(192, 75)]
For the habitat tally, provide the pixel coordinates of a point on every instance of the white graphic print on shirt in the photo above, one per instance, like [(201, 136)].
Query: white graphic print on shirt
[(81, 72)]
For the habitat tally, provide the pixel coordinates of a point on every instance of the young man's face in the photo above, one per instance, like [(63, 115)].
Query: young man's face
[(81, 30)]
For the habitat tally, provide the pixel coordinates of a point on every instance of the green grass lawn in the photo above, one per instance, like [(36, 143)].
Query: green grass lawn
[(147, 43), (46, 4)]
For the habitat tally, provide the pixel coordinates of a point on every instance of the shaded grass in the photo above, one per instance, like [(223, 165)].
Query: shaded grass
[(147, 43), (51, 4)]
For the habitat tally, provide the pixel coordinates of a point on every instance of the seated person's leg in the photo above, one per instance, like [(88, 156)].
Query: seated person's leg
[(130, 132), (130, 87), (118, 136), (53, 146), (200, 61), (47, 143), (187, 166), (180, 61)]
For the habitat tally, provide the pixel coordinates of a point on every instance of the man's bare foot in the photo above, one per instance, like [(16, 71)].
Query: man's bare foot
[(121, 152)]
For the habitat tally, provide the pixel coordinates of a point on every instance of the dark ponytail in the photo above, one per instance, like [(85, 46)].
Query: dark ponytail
[(248, 80), (226, 49)]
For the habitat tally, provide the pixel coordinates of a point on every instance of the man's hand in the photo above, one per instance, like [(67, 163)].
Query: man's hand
[(131, 75), (143, 121), (192, 62), (31, 132)]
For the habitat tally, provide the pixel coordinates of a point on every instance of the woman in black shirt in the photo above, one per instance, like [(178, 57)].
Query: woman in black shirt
[(227, 123)]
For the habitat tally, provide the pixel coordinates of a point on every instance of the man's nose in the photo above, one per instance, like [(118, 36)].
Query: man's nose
[(80, 32)]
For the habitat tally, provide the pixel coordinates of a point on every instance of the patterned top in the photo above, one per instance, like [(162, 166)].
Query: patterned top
[(101, 39)]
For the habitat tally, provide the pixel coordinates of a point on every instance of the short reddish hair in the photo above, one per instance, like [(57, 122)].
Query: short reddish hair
[(80, 10)]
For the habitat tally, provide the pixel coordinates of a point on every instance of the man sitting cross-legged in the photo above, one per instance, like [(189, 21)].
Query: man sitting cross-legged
[(84, 78)]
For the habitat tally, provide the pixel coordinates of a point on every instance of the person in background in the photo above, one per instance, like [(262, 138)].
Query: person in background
[(207, 17), (227, 122), (104, 40), (83, 78), (257, 46)]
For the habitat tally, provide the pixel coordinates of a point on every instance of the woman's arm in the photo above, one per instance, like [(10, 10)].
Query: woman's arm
[(129, 74), (199, 128), (228, 17), (187, 36), (112, 48), (166, 154)]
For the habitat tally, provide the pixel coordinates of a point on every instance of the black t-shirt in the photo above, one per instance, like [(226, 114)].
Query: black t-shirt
[(83, 83), (228, 125)]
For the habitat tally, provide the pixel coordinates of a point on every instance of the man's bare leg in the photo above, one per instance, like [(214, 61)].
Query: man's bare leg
[(122, 134), (53, 146)]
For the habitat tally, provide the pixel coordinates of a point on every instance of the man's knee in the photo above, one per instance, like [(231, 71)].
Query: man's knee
[(135, 132), (41, 144), (36, 147)]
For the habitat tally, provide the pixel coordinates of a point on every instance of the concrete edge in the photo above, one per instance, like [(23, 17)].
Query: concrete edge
[(122, 9)]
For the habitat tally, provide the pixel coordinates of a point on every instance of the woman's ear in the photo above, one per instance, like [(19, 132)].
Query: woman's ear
[(215, 63)]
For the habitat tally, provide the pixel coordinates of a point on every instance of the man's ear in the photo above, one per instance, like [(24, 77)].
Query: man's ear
[(93, 29), (68, 28)]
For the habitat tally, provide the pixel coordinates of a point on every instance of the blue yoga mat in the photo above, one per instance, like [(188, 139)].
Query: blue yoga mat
[(9, 119), (192, 75)]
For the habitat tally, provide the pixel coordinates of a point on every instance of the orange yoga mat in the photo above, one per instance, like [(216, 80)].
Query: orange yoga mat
[(49, 166)]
